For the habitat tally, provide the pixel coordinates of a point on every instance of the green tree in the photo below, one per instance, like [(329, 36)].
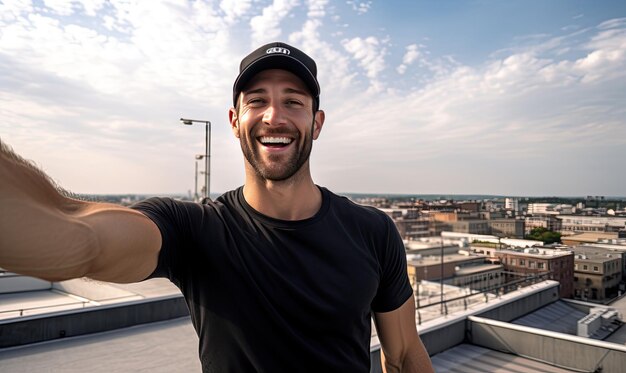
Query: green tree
[(545, 235)]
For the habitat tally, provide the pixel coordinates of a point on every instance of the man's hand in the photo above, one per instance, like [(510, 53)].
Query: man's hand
[(402, 349)]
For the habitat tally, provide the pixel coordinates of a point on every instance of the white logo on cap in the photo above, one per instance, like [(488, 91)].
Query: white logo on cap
[(278, 50)]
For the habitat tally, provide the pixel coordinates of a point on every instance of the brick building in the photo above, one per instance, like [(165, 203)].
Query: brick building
[(557, 264)]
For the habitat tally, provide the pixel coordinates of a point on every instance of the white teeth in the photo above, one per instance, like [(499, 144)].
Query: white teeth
[(275, 140)]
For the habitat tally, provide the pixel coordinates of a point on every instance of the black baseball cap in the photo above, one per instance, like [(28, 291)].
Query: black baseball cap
[(282, 56)]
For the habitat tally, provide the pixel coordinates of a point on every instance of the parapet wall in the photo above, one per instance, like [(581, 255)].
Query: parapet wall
[(569, 352), (39, 328), (439, 336)]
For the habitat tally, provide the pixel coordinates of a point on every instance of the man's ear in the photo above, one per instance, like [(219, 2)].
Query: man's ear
[(234, 121), (318, 123)]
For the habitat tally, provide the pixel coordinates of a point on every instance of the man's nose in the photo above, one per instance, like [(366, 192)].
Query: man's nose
[(274, 115)]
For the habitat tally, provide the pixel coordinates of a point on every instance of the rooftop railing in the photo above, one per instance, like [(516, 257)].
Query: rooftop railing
[(432, 306)]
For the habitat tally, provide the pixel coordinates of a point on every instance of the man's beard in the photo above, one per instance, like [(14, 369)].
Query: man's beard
[(288, 168)]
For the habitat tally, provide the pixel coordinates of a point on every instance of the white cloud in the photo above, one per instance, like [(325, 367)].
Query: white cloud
[(317, 8), (235, 9), (92, 7), (266, 27), (524, 108), (411, 55), (11, 9), (612, 23), (370, 55), (60, 7), (334, 76), (361, 7)]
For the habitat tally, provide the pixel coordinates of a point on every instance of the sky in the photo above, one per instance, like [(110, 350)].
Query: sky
[(513, 98)]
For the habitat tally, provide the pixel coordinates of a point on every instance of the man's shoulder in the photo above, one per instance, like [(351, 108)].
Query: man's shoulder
[(155, 202), (227, 198), (230, 198), (361, 213), (161, 202)]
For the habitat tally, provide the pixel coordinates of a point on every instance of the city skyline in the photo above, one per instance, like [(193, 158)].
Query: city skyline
[(475, 97)]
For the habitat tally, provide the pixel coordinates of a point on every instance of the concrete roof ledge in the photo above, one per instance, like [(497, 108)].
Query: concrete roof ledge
[(550, 334)]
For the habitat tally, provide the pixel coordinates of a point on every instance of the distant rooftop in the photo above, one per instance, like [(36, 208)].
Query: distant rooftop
[(537, 252)]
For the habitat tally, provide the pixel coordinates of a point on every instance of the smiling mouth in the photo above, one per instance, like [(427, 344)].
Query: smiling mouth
[(275, 142)]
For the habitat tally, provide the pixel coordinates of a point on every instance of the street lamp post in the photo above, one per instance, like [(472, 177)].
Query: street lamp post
[(441, 270), (195, 183), (207, 152)]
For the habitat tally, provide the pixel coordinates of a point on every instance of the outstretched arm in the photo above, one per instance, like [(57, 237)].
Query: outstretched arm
[(45, 234), (402, 349)]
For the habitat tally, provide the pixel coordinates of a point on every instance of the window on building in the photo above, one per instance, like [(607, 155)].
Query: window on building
[(585, 267), (596, 269), (522, 262), (541, 265)]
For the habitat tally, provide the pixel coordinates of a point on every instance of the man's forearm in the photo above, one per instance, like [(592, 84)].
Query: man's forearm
[(415, 360), (38, 235), (410, 365)]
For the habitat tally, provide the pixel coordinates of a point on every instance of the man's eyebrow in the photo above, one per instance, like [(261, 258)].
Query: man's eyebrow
[(286, 90), (253, 91), (296, 91)]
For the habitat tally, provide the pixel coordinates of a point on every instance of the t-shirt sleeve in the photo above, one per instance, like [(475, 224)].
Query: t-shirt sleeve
[(175, 221), (394, 288)]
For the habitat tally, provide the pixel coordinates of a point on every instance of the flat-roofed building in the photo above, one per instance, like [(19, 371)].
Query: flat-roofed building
[(507, 227), (498, 242), (540, 208), (571, 224), (511, 204), (597, 273), (470, 226), (589, 237), (617, 246), (413, 229), (463, 270), (483, 276), (550, 208), (470, 206), (547, 221), (557, 264), (464, 222)]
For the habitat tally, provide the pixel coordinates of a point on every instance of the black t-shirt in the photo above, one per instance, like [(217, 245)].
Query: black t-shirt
[(270, 295)]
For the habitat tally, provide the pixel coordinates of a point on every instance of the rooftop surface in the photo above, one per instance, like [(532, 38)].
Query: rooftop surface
[(172, 345), (168, 346), (469, 358)]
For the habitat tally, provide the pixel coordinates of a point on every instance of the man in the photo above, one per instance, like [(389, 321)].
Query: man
[(280, 275)]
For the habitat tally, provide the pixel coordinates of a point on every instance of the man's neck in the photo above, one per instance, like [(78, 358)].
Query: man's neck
[(294, 199)]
